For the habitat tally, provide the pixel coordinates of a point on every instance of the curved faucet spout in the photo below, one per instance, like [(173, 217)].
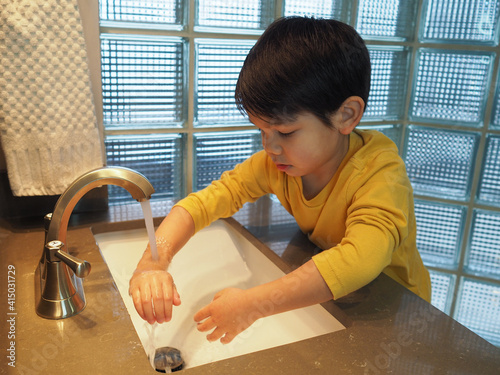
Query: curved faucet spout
[(135, 183), (59, 292)]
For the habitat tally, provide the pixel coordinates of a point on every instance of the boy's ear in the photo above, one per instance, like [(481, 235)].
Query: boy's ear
[(349, 114)]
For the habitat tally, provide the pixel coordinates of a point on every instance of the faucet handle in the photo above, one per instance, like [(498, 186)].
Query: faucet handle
[(81, 268)]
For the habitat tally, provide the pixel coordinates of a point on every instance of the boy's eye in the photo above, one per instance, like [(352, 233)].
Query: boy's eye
[(282, 134)]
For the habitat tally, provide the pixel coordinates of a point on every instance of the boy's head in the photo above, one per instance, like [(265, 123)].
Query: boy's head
[(303, 65)]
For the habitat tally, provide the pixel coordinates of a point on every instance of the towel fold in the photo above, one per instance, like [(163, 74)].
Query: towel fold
[(48, 125)]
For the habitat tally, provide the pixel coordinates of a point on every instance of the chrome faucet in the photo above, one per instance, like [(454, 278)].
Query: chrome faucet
[(58, 291)]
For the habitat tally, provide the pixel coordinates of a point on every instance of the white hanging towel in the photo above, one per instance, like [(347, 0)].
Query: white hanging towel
[(47, 120)]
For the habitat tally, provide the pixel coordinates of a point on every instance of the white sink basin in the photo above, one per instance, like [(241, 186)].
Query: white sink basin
[(217, 257)]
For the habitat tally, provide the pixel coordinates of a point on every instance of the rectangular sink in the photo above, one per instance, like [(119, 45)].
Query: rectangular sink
[(215, 258)]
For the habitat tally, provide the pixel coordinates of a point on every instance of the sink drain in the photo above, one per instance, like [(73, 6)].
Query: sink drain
[(168, 358)]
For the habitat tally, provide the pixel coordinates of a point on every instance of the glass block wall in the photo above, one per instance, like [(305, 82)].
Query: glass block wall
[(168, 74)]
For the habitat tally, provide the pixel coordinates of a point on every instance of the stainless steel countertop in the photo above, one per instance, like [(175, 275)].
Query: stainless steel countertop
[(389, 329)]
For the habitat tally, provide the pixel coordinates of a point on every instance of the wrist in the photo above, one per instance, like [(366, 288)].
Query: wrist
[(165, 250), (263, 300), (148, 264)]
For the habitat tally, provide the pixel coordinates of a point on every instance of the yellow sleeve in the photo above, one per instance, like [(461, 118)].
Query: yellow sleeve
[(222, 198), (376, 225)]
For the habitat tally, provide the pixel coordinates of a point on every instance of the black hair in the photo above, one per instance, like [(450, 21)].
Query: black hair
[(302, 64)]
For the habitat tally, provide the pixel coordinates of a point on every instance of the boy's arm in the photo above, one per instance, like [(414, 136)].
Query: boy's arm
[(234, 310), (151, 286)]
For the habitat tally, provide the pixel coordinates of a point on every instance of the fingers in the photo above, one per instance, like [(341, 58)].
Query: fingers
[(143, 303), (160, 308), (164, 310), (209, 324), (147, 307), (206, 325), (217, 333), (153, 294), (227, 338), (136, 297), (177, 298), (202, 314)]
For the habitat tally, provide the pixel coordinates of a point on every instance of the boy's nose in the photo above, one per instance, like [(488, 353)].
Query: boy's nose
[(271, 144)]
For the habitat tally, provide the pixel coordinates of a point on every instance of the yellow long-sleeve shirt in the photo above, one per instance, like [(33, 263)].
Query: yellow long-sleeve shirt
[(363, 219)]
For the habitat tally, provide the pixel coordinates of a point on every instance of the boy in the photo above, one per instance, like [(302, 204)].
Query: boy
[(305, 85)]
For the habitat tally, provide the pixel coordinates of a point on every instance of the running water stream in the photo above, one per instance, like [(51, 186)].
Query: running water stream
[(148, 218)]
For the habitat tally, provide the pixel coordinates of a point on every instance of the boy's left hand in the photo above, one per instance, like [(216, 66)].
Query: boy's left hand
[(230, 312), (233, 310)]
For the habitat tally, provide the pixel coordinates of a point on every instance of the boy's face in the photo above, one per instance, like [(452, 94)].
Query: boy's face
[(305, 147)]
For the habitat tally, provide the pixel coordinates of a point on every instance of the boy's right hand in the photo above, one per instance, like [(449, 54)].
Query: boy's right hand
[(154, 293)]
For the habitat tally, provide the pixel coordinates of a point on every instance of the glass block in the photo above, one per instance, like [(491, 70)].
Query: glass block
[(216, 153), (440, 162), (451, 87), (439, 232), (387, 19), (336, 9), (458, 21), (393, 132), (443, 285), (239, 15), (483, 252), (478, 308), (141, 14), (142, 81), (489, 184), (157, 157), (389, 79), (495, 116), (218, 65)]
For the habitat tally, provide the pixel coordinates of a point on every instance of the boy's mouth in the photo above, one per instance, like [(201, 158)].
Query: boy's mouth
[(282, 167)]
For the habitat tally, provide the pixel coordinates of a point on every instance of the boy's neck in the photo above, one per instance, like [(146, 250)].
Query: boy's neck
[(313, 184)]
